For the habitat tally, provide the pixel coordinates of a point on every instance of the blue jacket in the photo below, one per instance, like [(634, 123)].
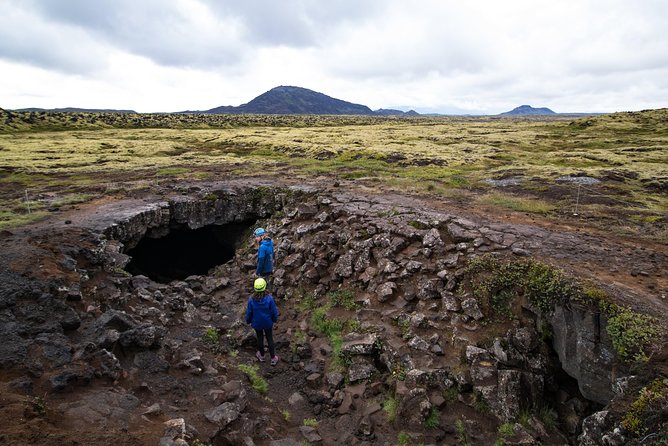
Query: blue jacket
[(265, 258), (261, 313)]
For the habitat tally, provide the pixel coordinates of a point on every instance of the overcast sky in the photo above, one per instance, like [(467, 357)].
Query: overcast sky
[(446, 56)]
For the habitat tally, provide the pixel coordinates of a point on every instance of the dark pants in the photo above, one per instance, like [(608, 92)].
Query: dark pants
[(270, 341), (267, 278)]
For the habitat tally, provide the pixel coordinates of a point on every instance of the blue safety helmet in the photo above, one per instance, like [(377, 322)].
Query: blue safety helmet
[(259, 232)]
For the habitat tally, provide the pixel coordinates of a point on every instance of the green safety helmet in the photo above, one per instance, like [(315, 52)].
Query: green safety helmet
[(260, 284)]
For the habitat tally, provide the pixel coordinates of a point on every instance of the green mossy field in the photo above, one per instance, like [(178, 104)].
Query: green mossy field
[(609, 169)]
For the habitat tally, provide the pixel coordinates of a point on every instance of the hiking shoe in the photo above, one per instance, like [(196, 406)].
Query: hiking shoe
[(274, 360), (260, 357)]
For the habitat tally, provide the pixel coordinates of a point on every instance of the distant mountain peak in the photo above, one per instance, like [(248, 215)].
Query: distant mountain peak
[(290, 100), (529, 110)]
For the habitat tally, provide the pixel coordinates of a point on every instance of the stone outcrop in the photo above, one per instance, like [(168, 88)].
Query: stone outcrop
[(413, 332)]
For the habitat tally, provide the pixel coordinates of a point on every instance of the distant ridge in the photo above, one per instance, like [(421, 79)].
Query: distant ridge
[(529, 110), (74, 110), (289, 100), (393, 112)]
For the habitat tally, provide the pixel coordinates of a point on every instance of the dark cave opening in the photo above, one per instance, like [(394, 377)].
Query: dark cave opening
[(183, 252), (563, 396)]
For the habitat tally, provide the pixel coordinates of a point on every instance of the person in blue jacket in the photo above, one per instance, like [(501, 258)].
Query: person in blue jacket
[(265, 253), (262, 314)]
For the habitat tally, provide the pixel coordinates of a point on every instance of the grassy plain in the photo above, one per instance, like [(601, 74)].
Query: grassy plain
[(610, 169)]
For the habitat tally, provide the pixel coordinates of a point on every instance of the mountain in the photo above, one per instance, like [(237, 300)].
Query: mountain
[(529, 110), (285, 100), (393, 112), (74, 110)]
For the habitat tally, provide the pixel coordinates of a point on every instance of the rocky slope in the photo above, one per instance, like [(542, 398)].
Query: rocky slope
[(383, 335)]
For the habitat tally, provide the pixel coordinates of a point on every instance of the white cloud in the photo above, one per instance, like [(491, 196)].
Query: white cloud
[(480, 56)]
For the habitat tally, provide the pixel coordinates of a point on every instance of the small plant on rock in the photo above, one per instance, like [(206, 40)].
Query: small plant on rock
[(451, 394), (343, 298), (548, 417), (506, 430), (460, 432), (311, 422), (39, 405), (433, 419), (258, 383), (211, 336), (403, 438), (645, 408), (390, 406)]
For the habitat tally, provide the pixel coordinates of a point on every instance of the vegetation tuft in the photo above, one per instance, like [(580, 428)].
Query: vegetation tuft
[(257, 382), (500, 284)]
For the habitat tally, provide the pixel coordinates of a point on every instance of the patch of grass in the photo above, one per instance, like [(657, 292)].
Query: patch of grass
[(9, 219), (390, 406), (399, 372), (542, 284), (285, 413), (311, 422), (171, 171), (548, 417), (632, 334), (298, 339), (39, 405), (343, 298), (642, 412), (524, 417), (480, 404), (460, 433), (258, 383), (72, 199), (306, 301), (403, 438), (433, 418), (506, 430), (520, 204), (211, 336), (451, 395)]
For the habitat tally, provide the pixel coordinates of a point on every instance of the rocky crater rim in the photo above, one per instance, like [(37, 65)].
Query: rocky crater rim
[(433, 303), (580, 340)]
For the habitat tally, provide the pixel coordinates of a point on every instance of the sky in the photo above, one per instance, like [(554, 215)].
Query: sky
[(433, 56)]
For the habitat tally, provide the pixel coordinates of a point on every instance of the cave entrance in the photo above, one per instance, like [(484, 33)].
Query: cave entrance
[(183, 253), (562, 393)]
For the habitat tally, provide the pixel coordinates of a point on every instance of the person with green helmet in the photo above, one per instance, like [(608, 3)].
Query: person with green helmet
[(262, 314)]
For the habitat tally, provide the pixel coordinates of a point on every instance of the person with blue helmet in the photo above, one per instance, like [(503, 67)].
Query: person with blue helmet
[(262, 314), (265, 253)]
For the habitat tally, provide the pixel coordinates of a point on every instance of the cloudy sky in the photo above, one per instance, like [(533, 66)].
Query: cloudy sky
[(446, 56)]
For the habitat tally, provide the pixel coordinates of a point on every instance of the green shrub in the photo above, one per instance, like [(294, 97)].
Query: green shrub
[(506, 430), (390, 406), (311, 422), (498, 283), (631, 334), (258, 383), (343, 298), (433, 419), (460, 432), (211, 336), (650, 402)]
